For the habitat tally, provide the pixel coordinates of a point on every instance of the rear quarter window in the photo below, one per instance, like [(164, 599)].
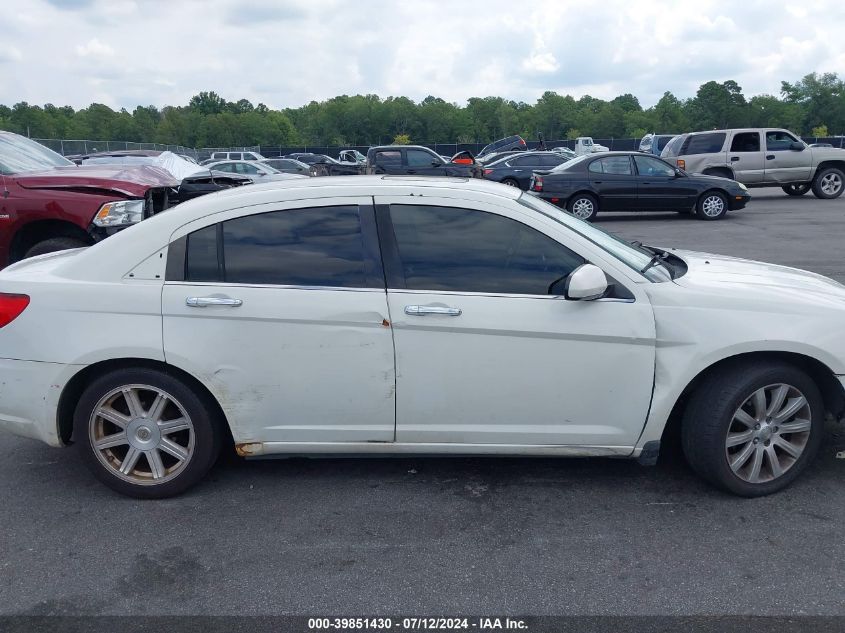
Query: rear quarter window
[(703, 144)]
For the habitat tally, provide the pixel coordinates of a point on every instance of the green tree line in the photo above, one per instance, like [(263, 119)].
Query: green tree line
[(812, 106)]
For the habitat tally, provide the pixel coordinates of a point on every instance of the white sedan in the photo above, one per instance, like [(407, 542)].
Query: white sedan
[(403, 315)]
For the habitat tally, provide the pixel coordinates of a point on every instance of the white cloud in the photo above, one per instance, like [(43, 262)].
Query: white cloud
[(94, 48), (131, 52)]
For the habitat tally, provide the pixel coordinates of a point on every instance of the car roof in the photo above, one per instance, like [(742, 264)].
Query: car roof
[(128, 248)]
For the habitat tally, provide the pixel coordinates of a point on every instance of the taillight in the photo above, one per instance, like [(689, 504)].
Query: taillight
[(538, 183), (682, 164), (487, 172), (11, 307)]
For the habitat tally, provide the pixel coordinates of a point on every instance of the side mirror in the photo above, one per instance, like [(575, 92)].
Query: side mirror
[(585, 283), (796, 146), (436, 163)]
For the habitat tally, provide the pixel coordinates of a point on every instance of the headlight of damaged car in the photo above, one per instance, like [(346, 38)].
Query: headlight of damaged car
[(120, 213)]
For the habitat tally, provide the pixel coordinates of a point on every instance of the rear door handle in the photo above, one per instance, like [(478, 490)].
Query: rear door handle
[(770, 157), (734, 158), (411, 171), (424, 310), (202, 302)]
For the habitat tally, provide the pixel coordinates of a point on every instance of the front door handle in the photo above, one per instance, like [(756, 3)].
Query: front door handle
[(202, 302), (770, 157), (734, 158), (423, 310)]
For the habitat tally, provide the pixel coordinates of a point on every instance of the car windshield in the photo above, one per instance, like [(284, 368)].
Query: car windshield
[(19, 154), (632, 256)]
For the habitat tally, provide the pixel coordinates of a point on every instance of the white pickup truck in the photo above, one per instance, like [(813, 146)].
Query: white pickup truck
[(585, 145)]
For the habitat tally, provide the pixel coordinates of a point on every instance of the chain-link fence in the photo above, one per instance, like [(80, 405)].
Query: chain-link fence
[(75, 147), (72, 147)]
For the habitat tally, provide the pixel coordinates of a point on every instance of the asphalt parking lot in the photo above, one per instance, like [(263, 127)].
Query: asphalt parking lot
[(447, 536)]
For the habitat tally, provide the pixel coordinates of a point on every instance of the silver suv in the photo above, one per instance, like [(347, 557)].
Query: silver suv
[(761, 157)]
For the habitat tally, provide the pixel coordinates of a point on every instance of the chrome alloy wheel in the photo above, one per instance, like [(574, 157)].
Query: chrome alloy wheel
[(583, 208), (141, 434), (713, 206), (768, 433), (831, 184)]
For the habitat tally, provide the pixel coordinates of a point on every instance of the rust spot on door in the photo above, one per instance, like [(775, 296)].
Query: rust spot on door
[(385, 323)]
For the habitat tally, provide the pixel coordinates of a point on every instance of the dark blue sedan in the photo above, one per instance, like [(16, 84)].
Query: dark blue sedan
[(515, 170)]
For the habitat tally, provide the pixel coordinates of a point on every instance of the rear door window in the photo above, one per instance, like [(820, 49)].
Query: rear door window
[(746, 142), (317, 247), (619, 165), (392, 158)]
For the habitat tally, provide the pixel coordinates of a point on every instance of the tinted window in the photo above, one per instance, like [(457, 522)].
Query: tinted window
[(674, 146), (746, 142), (662, 141), (703, 144), (244, 168), (620, 165), (418, 158), (445, 248), (525, 161), (389, 158), (647, 166), (551, 161), (235, 156), (301, 247), (779, 141), (202, 255)]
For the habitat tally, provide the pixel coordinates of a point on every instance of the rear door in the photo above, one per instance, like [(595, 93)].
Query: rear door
[(612, 178), (388, 161), (784, 164), (281, 310), (746, 157), (658, 189)]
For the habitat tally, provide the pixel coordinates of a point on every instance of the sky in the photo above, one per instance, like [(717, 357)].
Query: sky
[(286, 53)]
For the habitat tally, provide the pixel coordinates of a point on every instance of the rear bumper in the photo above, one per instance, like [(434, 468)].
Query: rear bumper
[(29, 398)]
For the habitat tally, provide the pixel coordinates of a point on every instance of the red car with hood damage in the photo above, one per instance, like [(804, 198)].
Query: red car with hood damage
[(48, 203)]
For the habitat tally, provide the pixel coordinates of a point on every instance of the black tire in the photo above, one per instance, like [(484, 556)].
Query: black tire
[(829, 183), (706, 208), (709, 416), (583, 206), (54, 244), (797, 190), (510, 182), (203, 450)]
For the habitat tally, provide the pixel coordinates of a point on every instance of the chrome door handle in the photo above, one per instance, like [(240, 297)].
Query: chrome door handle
[(423, 310), (202, 302)]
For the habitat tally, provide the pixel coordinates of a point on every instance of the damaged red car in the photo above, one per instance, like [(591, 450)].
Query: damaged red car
[(47, 203)]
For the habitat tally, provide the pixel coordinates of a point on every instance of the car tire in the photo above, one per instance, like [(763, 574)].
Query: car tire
[(797, 190), (712, 205), (728, 438), (510, 182), (55, 244), (829, 183), (583, 206), (155, 421)]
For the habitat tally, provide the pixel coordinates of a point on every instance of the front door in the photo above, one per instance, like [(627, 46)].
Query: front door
[(282, 311), (485, 354), (784, 164), (659, 188)]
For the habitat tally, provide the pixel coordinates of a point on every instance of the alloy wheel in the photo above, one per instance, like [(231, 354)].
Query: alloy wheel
[(831, 184), (713, 206), (768, 433), (583, 208), (141, 434)]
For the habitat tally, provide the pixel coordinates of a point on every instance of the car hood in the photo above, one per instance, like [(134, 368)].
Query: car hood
[(714, 179), (755, 280), (130, 181)]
